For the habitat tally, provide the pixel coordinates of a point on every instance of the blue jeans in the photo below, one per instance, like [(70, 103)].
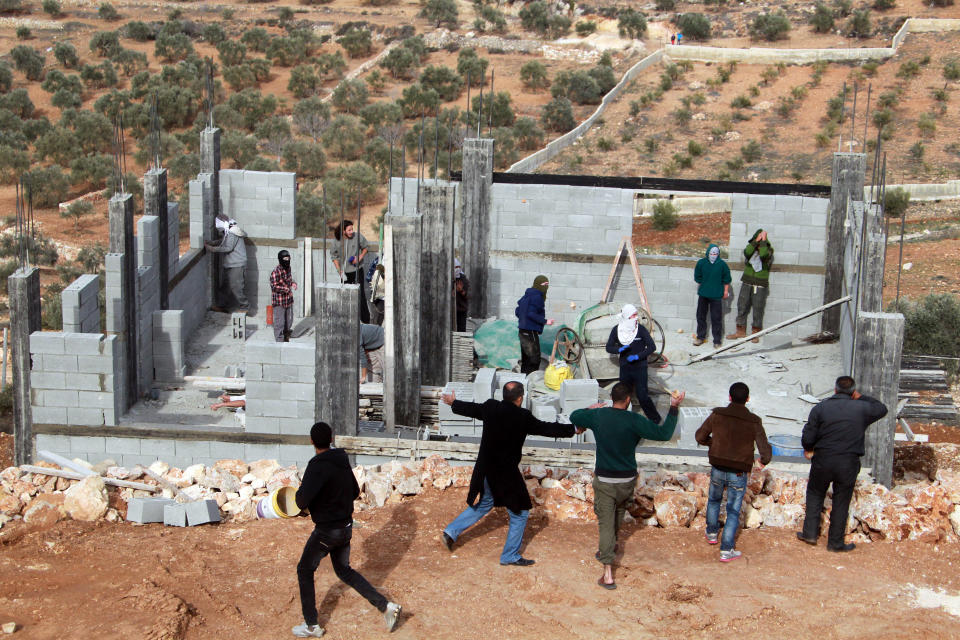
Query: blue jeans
[(472, 515), (736, 485)]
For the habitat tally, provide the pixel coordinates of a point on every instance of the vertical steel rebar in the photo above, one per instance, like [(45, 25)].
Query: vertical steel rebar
[(492, 98), (853, 116), (480, 110), (403, 180), (436, 143), (466, 130), (866, 116)]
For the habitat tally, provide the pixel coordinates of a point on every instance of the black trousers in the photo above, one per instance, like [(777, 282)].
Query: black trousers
[(461, 321), (356, 277), (842, 472), (529, 351), (637, 377), (336, 543), (715, 305)]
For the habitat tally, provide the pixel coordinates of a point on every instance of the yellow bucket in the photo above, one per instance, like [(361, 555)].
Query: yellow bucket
[(281, 503)]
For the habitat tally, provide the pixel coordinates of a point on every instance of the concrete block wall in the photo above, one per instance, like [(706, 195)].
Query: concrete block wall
[(796, 225), (147, 241), (261, 261), (73, 378), (169, 340), (113, 276), (280, 376), (190, 293), (173, 237), (262, 202), (148, 301), (81, 305), (197, 189)]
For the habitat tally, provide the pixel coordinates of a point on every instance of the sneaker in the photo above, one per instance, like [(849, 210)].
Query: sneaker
[(712, 538), (308, 631), (698, 341), (391, 615), (717, 345), (447, 541), (727, 556), (520, 562)]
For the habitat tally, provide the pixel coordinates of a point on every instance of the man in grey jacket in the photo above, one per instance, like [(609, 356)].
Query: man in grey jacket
[(234, 265)]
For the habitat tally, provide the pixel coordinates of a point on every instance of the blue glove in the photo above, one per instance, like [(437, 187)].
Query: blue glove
[(633, 358), (352, 259), (624, 348)]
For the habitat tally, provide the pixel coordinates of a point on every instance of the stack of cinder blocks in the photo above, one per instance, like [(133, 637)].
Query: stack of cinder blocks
[(578, 394), (483, 384), (281, 393), (73, 378), (148, 295), (168, 346), (688, 422), (81, 305), (198, 193), (450, 422), (262, 202)]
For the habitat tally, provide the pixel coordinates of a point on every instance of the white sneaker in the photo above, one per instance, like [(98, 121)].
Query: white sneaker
[(712, 538), (391, 615), (727, 556), (308, 631)]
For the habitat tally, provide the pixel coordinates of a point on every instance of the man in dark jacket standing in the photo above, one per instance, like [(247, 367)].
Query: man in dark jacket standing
[(633, 343), (496, 479), (531, 313), (833, 441), (731, 432), (755, 284), (328, 490), (713, 276)]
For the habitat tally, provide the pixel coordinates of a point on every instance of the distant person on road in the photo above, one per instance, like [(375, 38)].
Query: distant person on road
[(617, 432), (355, 249), (531, 313), (633, 344), (755, 284), (326, 494), (234, 265), (713, 276), (496, 480), (731, 432), (282, 287), (461, 289), (832, 440)]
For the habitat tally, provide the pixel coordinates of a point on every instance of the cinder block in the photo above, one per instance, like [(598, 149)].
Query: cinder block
[(57, 444), (48, 380), (56, 398), (286, 373), (87, 444), (253, 452), (299, 354), (262, 353), (85, 416), (202, 512), (483, 384), (175, 515), (47, 342), (300, 392), (147, 510), (278, 408), (263, 390), (95, 364), (294, 426), (261, 424), (192, 449), (48, 415), (226, 450)]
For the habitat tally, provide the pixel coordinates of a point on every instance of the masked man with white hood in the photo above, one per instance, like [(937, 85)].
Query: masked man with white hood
[(234, 265), (633, 343)]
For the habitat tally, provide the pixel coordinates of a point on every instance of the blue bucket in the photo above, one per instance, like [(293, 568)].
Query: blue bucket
[(784, 445)]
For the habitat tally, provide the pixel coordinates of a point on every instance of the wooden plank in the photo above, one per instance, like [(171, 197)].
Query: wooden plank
[(73, 475)]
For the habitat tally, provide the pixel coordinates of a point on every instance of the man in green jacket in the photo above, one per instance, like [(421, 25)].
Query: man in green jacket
[(755, 283), (713, 276), (617, 431)]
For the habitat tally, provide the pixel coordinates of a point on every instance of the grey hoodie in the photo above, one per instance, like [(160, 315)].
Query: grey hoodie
[(235, 248)]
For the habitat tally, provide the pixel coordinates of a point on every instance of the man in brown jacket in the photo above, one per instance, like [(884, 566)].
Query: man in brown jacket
[(731, 432)]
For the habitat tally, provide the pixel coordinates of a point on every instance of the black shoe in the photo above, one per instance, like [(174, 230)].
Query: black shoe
[(844, 547), (447, 541), (802, 538), (520, 562)]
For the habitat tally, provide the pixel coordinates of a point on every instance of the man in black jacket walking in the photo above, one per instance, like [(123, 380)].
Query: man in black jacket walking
[(833, 441), (496, 479), (328, 490)]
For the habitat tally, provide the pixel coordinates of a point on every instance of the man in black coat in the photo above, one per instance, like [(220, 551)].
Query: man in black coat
[(328, 490), (496, 479), (833, 441)]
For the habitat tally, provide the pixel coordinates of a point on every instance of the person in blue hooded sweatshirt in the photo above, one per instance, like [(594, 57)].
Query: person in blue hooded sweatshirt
[(713, 276), (531, 314)]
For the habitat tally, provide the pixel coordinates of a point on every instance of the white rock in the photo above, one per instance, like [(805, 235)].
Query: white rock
[(193, 473), (159, 467), (113, 515), (377, 488), (83, 463), (550, 483), (248, 478), (955, 519), (538, 471), (194, 492), (4, 519), (751, 517), (120, 473), (246, 492), (87, 500), (578, 491), (258, 483)]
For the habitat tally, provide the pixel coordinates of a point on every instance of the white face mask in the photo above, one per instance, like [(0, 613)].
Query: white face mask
[(714, 254)]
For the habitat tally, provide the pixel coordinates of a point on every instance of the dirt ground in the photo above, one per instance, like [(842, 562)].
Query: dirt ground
[(119, 581)]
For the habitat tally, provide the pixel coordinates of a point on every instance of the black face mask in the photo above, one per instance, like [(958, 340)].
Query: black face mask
[(285, 263)]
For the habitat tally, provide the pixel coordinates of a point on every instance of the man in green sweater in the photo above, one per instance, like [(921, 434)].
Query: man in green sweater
[(755, 283), (617, 431), (713, 277)]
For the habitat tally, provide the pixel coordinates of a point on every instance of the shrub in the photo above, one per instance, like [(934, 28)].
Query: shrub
[(77, 210), (882, 117), (666, 5), (843, 7), (533, 75), (528, 134), (558, 25), (107, 12), (858, 26), (694, 25), (498, 109), (351, 179), (908, 69), (139, 31), (351, 95), (822, 18), (941, 95), (770, 26), (927, 124), (24, 33), (695, 149), (214, 34), (356, 42), (441, 13), (579, 86), (49, 186), (932, 326), (586, 27), (916, 151), (11, 6), (28, 61), (445, 81), (52, 8), (682, 116), (472, 66), (535, 16), (238, 147), (741, 102), (951, 69), (344, 138), (557, 115), (400, 62), (884, 5), (256, 39), (305, 158), (665, 216), (752, 151), (105, 44), (631, 24), (311, 117), (895, 201)]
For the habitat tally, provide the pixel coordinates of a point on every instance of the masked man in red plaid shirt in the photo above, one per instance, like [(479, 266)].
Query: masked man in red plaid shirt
[(282, 286)]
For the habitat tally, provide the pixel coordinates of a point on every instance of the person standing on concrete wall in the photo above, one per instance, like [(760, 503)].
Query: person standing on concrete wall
[(755, 284), (371, 348), (531, 312), (617, 432), (496, 480), (327, 492), (355, 249), (633, 344), (832, 440), (281, 291), (730, 432), (713, 276), (234, 264), (461, 289)]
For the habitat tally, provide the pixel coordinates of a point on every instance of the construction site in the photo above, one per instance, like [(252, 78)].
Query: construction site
[(130, 508)]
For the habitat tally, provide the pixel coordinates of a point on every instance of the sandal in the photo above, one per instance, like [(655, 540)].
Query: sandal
[(609, 587)]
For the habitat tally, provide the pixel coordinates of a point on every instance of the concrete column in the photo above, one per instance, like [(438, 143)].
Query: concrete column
[(437, 206), (401, 376), (877, 359), (210, 162), (874, 259), (155, 204), (122, 322), (121, 242), (477, 183), (338, 356), (23, 287), (847, 184)]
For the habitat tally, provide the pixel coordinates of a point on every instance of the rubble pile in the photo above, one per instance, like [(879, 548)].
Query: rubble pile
[(928, 510)]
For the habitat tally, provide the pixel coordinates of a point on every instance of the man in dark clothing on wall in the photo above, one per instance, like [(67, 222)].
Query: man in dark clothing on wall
[(833, 441), (617, 432), (328, 490), (496, 480), (531, 313), (755, 284), (633, 343), (731, 432)]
